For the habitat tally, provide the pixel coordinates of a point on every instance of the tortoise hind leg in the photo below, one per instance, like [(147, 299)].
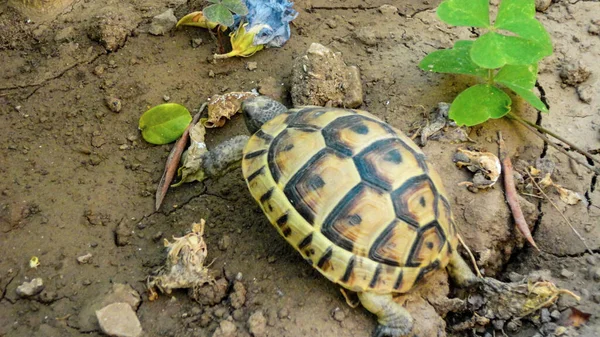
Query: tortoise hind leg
[(460, 272), (394, 320)]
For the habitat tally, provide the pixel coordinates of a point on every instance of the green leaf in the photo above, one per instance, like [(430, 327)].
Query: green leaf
[(164, 123), (479, 103), (236, 6), (514, 10), (471, 13), (215, 1), (218, 13), (455, 61), (521, 80), (493, 50)]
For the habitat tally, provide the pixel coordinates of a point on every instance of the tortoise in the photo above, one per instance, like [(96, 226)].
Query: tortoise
[(356, 198)]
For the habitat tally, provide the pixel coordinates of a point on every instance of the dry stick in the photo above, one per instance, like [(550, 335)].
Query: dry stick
[(549, 142), (561, 214), (173, 161), (473, 261), (511, 192), (546, 131)]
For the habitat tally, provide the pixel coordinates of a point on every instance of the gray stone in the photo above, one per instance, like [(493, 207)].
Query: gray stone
[(591, 259), (30, 288), (542, 5), (545, 315), (566, 273), (586, 92), (119, 319), (119, 293), (163, 23), (388, 10)]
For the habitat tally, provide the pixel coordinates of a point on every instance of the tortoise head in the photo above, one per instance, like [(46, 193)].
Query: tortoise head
[(259, 110)]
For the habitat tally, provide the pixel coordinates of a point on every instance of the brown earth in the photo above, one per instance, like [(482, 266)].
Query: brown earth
[(78, 178)]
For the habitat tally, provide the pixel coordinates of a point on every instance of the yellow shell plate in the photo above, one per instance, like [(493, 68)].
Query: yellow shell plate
[(353, 195)]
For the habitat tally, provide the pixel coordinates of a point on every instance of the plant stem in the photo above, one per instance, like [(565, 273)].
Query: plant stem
[(546, 131), (490, 78), (549, 142)]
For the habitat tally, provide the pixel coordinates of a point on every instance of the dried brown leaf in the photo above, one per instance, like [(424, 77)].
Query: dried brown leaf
[(223, 107)]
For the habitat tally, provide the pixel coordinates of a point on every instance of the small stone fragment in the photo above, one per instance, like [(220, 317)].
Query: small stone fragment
[(591, 260), (30, 288), (283, 313), (122, 234), (252, 66), (545, 315), (163, 23), (225, 329), (113, 103), (196, 42), (224, 242), (83, 259), (388, 9), (555, 314), (366, 35), (112, 28), (257, 324), (566, 273), (211, 74), (119, 319), (542, 5), (339, 314), (574, 73)]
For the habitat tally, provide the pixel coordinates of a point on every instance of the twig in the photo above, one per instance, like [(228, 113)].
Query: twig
[(173, 161), (561, 213), (548, 132), (470, 256), (511, 192), (549, 142)]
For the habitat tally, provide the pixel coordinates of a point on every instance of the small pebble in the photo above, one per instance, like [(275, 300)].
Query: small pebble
[(596, 298), (99, 70), (211, 74), (283, 313), (555, 314), (545, 315), (31, 288), (252, 66), (591, 259), (156, 237), (113, 103), (566, 273), (257, 324), (83, 259), (224, 242), (86, 282), (166, 98), (271, 259), (338, 315), (196, 42)]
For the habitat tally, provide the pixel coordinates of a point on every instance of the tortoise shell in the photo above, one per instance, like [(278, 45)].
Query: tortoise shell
[(353, 195)]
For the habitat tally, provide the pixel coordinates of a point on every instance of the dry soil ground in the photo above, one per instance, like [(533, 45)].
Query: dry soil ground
[(74, 173)]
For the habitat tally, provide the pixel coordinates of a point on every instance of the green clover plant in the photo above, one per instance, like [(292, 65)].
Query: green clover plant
[(221, 11), (506, 55)]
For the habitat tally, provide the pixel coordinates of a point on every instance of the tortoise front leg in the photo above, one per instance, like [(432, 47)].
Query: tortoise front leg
[(460, 272), (394, 320)]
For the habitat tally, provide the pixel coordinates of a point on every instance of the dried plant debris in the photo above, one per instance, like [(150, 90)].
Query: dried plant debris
[(185, 269), (192, 158), (223, 107), (485, 165), (442, 129), (566, 195)]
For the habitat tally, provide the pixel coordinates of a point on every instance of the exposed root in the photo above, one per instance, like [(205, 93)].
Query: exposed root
[(511, 192)]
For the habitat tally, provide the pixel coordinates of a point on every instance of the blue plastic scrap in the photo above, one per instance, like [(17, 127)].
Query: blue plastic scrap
[(274, 16)]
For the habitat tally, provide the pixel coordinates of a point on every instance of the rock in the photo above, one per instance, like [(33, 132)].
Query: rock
[(163, 23), (252, 66), (196, 42), (225, 329), (566, 273), (66, 34), (594, 274), (113, 103), (283, 313), (574, 73), (257, 324), (118, 319), (591, 260), (238, 296), (321, 77), (542, 5), (388, 10), (224, 242), (586, 92), (83, 259), (99, 70), (339, 315), (30, 288), (111, 29), (555, 314), (119, 293), (545, 315), (515, 277)]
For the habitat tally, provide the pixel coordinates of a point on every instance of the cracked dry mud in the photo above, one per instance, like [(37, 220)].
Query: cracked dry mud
[(73, 171)]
